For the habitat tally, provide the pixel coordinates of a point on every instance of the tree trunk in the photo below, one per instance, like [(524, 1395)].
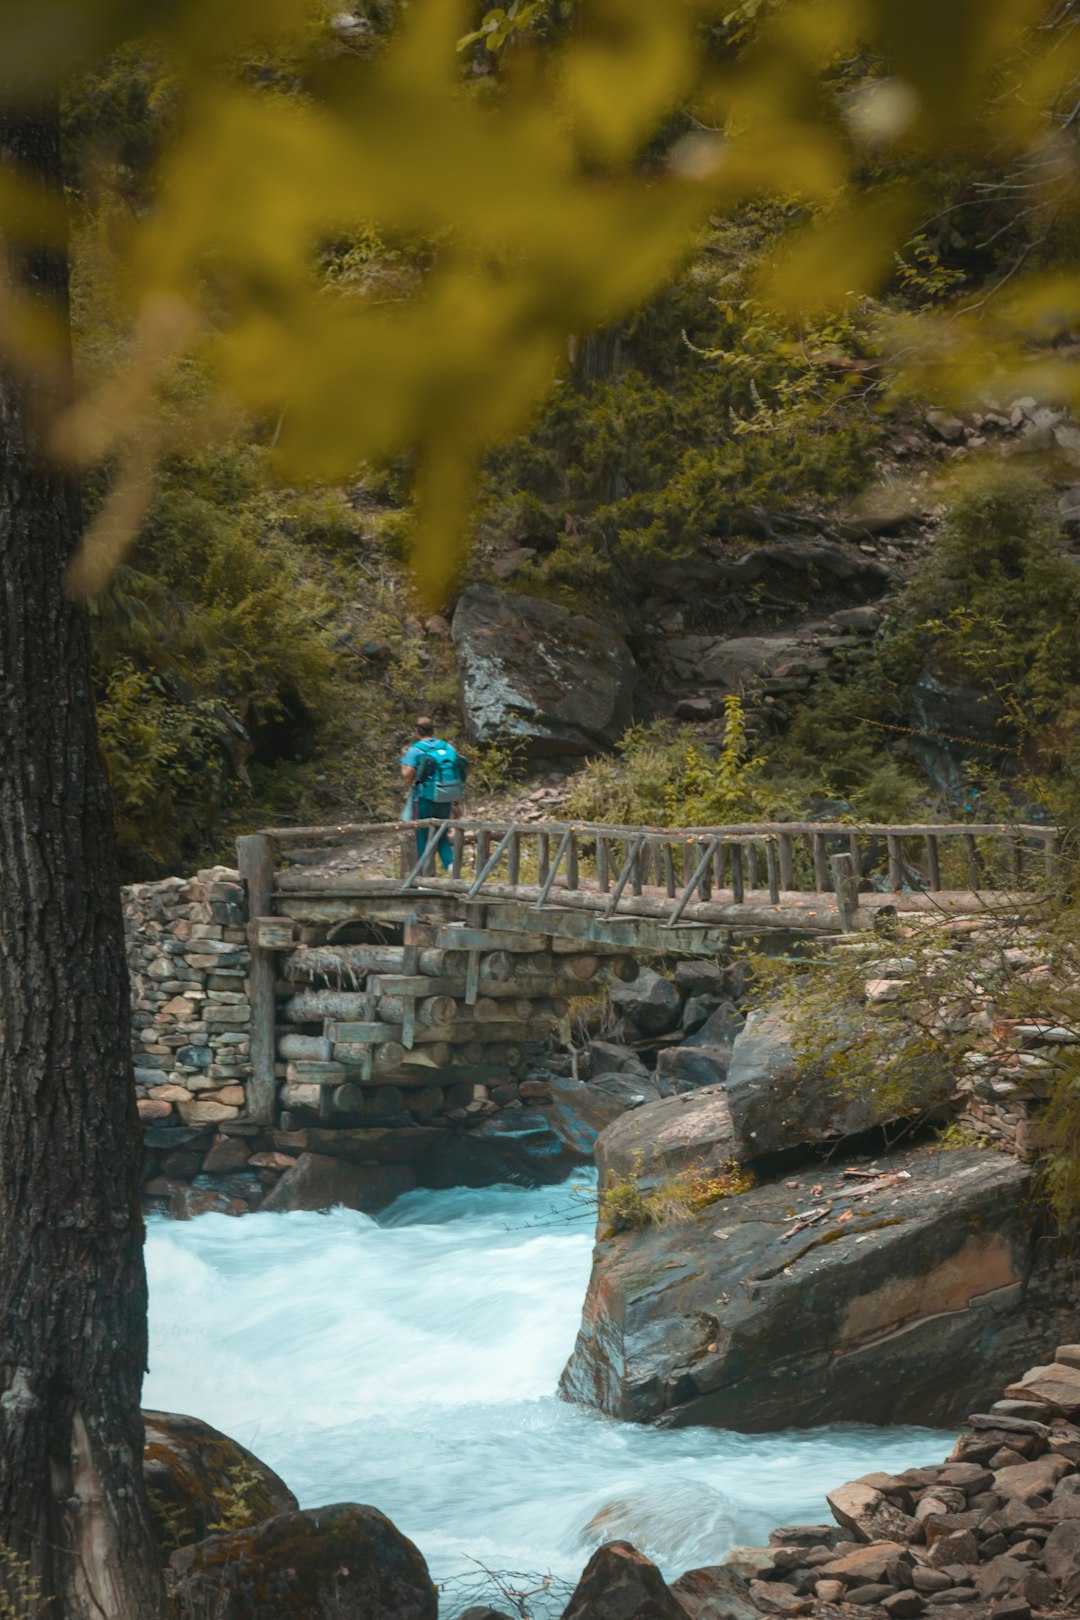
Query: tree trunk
[(73, 1512)]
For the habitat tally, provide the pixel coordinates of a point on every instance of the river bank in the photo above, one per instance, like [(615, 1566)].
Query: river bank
[(411, 1362)]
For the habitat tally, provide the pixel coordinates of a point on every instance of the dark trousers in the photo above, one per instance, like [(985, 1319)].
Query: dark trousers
[(428, 810)]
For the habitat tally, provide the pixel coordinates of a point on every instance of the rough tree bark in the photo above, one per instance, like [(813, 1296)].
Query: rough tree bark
[(72, 1284)]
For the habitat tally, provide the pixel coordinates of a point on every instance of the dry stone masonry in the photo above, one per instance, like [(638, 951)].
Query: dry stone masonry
[(188, 960)]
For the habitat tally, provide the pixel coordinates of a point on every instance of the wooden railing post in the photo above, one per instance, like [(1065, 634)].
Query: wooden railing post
[(255, 860), (846, 883)]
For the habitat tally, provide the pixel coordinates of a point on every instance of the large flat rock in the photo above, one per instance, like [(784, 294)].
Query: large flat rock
[(912, 1304), (533, 671)]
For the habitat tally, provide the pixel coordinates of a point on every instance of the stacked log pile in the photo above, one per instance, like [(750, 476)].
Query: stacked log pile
[(442, 1026)]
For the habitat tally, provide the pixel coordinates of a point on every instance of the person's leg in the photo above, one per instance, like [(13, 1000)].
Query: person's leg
[(428, 810)]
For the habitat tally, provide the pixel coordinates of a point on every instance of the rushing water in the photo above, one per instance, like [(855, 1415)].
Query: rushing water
[(411, 1362)]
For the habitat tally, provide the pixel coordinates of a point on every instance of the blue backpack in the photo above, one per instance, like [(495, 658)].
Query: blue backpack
[(440, 775)]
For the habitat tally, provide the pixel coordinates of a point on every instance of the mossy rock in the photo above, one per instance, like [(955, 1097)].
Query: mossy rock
[(199, 1481), (343, 1562)]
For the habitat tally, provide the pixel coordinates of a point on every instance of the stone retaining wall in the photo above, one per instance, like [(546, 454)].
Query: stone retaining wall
[(188, 960)]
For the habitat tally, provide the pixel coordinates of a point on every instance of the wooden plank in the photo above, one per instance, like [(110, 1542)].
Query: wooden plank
[(572, 862), (624, 875), (896, 863), (751, 866), (933, 862), (552, 872), (543, 855), (472, 978), (602, 878), (738, 888), (255, 860), (272, 933), (513, 860), (846, 884), (972, 851), (821, 871), (772, 869), (669, 870), (461, 937), (787, 860), (457, 849)]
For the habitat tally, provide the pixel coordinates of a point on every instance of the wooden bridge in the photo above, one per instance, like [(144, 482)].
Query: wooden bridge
[(426, 975)]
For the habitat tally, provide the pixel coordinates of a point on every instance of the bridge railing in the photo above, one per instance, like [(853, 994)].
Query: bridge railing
[(686, 864)]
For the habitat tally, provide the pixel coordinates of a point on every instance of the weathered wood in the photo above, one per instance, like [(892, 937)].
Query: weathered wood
[(974, 876), (311, 1006), (316, 1074), (772, 870), (572, 862), (896, 863), (355, 962), (513, 859), (751, 866), (272, 933), (313, 1048), (255, 861), (602, 878), (497, 967), (624, 968), (472, 978), (432, 1011), (821, 871), (933, 862), (786, 851), (669, 870), (846, 885), (738, 889)]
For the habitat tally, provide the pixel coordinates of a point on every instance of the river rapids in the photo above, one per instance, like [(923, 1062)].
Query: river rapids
[(411, 1362)]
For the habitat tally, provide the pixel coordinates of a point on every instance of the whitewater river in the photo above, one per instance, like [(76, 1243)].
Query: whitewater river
[(411, 1362)]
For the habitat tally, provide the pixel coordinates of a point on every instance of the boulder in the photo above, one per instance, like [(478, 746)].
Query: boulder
[(698, 1010), (610, 1057), (871, 1517), (343, 1562), (720, 1027), (714, 1593), (651, 1002), (628, 1088), (731, 662), (198, 1480), (1061, 1557), (536, 673), (778, 1104), (578, 1113), (318, 1181), (768, 1310), (619, 1583), (659, 1140), (698, 976), (689, 1068)]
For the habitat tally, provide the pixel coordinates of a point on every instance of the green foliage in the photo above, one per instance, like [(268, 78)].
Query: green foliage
[(629, 1205), (21, 1596), (660, 779), (704, 406)]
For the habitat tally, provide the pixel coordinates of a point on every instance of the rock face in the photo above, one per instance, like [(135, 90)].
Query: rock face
[(900, 1297), (196, 1477), (665, 1137), (333, 1563), (532, 671), (776, 1106)]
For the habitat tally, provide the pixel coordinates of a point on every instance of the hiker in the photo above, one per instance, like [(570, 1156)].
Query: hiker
[(434, 772)]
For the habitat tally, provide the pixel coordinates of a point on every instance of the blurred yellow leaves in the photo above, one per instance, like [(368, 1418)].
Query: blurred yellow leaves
[(550, 207)]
